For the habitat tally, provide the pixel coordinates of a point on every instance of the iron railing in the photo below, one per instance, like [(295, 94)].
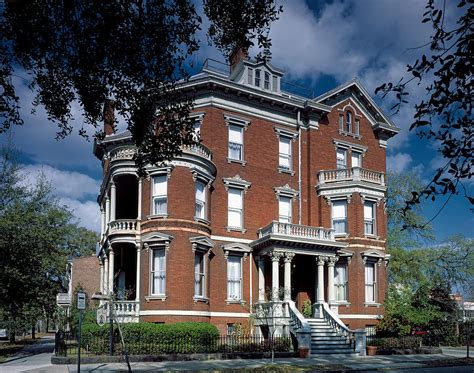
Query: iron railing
[(66, 345)]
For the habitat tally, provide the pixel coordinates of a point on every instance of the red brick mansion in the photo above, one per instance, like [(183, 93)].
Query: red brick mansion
[(282, 200)]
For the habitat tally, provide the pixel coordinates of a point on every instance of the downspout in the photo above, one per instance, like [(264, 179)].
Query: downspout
[(251, 284), (298, 124)]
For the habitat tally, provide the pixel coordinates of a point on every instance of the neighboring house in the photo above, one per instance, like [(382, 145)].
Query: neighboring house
[(283, 198), (83, 271)]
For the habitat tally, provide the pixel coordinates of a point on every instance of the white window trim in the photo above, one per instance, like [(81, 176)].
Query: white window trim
[(197, 117), (202, 245), (288, 192), (344, 151), (235, 254), (346, 285), (203, 296), (374, 284), (232, 120), (152, 248), (374, 218), (341, 144), (237, 182), (160, 173), (292, 136), (346, 200)]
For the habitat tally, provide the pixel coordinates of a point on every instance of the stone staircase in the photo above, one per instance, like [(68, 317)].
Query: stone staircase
[(325, 339)]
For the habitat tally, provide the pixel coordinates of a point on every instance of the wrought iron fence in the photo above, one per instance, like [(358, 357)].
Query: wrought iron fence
[(66, 345), (407, 342)]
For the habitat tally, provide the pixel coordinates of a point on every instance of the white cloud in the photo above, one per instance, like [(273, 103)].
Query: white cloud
[(87, 213), (399, 162), (68, 184)]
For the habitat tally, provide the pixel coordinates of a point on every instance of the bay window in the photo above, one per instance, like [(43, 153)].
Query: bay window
[(201, 198), (199, 274), (370, 283), (158, 271)]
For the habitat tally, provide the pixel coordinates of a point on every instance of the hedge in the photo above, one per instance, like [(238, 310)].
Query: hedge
[(149, 338)]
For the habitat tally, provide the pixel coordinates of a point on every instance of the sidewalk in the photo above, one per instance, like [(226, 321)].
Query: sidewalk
[(331, 363)]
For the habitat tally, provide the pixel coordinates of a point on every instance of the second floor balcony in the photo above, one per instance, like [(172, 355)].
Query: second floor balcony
[(352, 174)]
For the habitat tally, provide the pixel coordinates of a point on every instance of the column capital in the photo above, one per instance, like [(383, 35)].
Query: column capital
[(320, 260), (332, 261), (275, 255), (288, 257)]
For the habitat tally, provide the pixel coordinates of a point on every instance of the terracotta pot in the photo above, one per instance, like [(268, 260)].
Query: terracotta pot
[(371, 350)]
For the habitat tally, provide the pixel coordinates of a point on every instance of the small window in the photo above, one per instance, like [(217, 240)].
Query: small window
[(356, 159), (284, 153), (340, 282), (341, 122), (197, 130), (235, 207), (158, 272), (370, 283), (369, 218), (341, 159), (284, 209), (357, 127), (160, 190), (199, 274), (274, 83), (349, 122), (339, 216), (200, 209), (234, 278), (249, 76), (257, 78), (236, 143), (266, 81)]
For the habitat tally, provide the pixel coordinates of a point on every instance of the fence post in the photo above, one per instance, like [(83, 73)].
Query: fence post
[(360, 342)]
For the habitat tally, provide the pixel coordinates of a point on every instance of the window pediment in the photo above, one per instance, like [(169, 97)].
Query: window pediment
[(341, 144), (285, 191), (375, 256), (236, 248), (201, 242), (236, 182)]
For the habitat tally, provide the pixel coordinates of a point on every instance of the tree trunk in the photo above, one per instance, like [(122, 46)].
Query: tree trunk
[(47, 324), (33, 330), (12, 336)]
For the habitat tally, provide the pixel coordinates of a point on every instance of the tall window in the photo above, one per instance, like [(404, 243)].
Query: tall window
[(284, 153), (284, 209), (369, 218), (199, 274), (341, 159), (340, 282), (341, 122), (160, 191), (158, 272), (339, 216), (236, 142), (197, 130), (235, 207), (200, 209), (349, 121), (234, 278), (266, 81), (257, 77), (370, 283), (357, 127), (356, 159)]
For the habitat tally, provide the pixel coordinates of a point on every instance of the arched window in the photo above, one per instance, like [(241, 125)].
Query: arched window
[(349, 122)]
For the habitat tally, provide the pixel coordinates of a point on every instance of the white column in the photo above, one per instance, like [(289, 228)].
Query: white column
[(320, 261), (288, 258), (101, 271), (261, 279), (275, 257), (331, 262), (139, 217), (107, 211), (111, 270), (113, 204), (102, 220), (106, 275), (137, 284)]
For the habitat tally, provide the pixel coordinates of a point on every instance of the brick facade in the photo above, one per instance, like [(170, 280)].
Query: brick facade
[(315, 132)]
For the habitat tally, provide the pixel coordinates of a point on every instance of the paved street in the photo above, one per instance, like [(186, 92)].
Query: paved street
[(36, 358)]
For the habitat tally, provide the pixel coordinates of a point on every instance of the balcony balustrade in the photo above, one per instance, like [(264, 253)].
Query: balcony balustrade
[(124, 311), (351, 174), (124, 226), (127, 153), (63, 299), (296, 231)]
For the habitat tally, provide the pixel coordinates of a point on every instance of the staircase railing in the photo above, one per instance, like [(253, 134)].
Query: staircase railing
[(356, 338), (300, 328)]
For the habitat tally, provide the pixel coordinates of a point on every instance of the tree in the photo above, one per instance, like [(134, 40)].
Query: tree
[(136, 53), (445, 116), (37, 237)]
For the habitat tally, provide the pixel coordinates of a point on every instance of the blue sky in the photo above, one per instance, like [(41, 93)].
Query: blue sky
[(318, 44)]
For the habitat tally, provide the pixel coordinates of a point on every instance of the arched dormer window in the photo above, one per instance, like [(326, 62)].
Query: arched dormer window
[(349, 122)]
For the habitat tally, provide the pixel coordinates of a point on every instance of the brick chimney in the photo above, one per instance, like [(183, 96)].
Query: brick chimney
[(237, 55), (109, 117)]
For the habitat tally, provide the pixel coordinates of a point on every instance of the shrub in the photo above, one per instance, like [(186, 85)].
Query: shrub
[(307, 309)]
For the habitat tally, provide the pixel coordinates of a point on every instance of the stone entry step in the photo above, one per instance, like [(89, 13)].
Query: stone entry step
[(325, 340)]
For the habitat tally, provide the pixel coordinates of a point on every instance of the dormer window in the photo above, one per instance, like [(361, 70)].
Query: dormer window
[(249, 75), (257, 77), (266, 82)]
